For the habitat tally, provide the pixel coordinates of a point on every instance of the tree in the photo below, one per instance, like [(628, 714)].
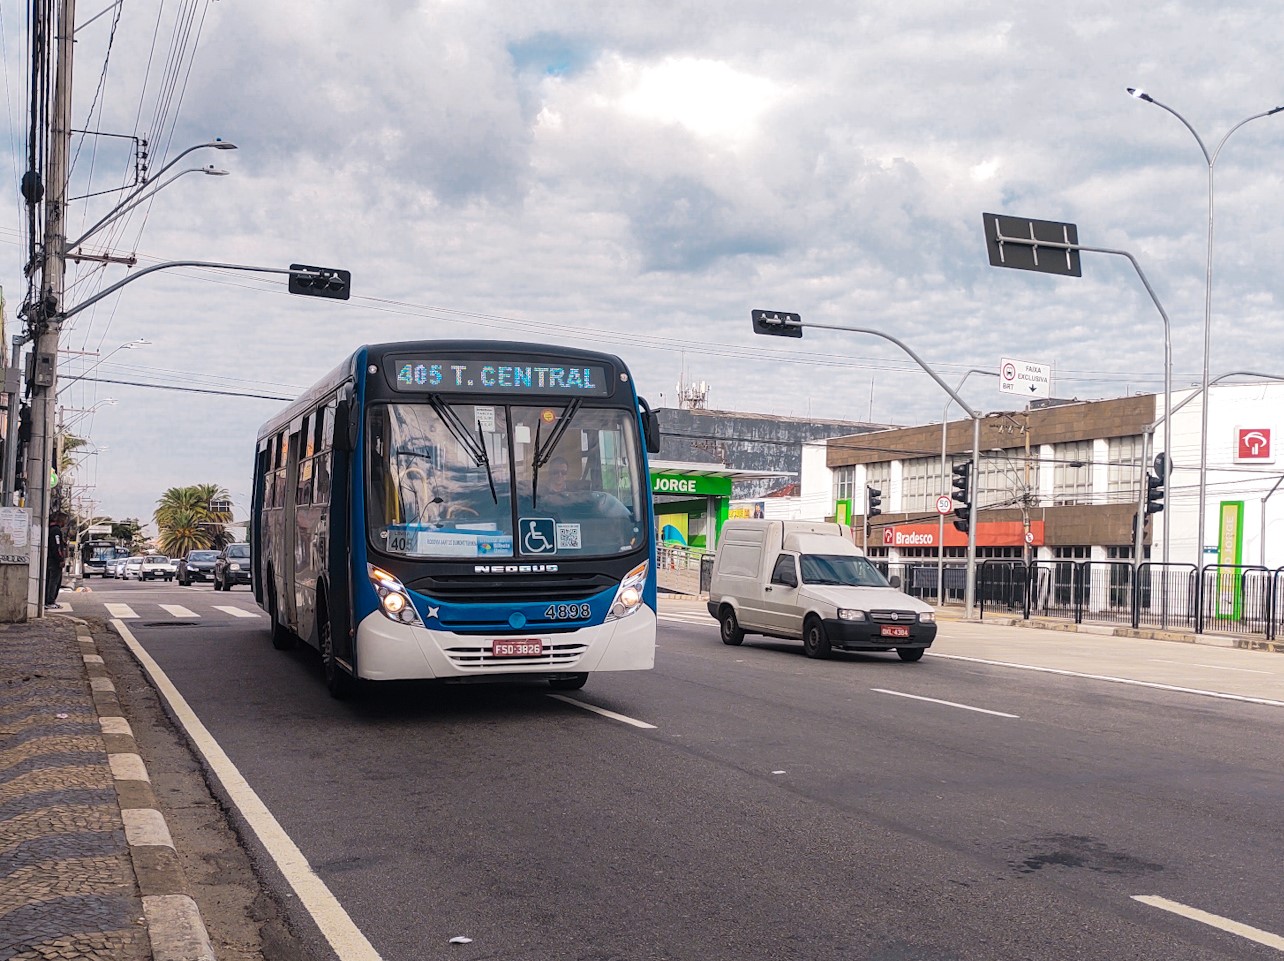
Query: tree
[(129, 533), (188, 520)]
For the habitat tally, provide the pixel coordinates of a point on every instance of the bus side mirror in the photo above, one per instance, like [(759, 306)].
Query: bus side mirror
[(650, 427), (345, 424)]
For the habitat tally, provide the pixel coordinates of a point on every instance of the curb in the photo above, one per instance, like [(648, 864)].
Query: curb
[(174, 923)]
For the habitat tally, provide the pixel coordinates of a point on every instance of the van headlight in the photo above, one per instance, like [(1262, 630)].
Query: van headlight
[(927, 617), (847, 614), (394, 599), (234, 566), (629, 597)]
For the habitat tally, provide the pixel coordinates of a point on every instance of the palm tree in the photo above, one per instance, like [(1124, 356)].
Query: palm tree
[(184, 533), (186, 518)]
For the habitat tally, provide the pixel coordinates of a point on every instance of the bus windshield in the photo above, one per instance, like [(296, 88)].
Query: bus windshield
[(461, 480)]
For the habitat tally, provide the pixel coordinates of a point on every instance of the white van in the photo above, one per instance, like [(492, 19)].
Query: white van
[(807, 580)]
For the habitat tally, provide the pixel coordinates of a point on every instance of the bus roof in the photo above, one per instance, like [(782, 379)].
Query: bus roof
[(308, 400)]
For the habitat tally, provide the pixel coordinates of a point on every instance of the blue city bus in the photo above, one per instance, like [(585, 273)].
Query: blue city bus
[(460, 510)]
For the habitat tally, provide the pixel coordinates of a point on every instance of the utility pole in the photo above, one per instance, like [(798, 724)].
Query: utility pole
[(47, 315)]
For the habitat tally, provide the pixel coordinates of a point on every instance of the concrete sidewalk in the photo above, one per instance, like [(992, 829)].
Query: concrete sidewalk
[(87, 866)]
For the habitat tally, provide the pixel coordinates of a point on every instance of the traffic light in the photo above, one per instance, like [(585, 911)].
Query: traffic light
[(321, 282), (962, 518), (1154, 494), (776, 323), (873, 502), (962, 483)]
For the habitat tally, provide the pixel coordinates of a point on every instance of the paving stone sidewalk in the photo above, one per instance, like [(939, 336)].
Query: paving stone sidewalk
[(88, 868), (67, 881)]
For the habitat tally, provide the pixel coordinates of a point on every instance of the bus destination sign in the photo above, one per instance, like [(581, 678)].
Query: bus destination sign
[(485, 376)]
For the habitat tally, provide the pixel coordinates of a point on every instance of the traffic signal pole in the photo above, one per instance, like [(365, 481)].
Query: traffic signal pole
[(779, 323)]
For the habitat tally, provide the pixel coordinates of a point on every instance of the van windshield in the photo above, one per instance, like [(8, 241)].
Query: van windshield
[(844, 570)]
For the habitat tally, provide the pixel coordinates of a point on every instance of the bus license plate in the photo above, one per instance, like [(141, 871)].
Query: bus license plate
[(520, 647), (894, 630)]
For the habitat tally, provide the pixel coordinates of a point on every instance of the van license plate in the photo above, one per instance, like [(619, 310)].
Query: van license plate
[(894, 630), (521, 647)]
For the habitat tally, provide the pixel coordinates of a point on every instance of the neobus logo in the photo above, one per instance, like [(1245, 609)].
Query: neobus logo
[(514, 568)]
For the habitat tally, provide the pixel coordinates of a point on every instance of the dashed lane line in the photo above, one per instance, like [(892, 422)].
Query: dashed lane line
[(120, 611), (1245, 931), (178, 610), (932, 700), (623, 719)]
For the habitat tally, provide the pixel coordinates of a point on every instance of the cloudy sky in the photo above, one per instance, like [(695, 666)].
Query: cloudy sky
[(636, 177)]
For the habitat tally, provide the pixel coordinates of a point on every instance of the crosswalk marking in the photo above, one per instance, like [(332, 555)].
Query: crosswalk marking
[(178, 610), (120, 611), (682, 617), (236, 611)]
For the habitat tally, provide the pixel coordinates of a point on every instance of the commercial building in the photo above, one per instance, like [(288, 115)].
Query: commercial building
[(1062, 482)]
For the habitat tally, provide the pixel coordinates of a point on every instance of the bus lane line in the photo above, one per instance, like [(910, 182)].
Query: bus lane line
[(604, 712), (338, 928), (932, 700), (1213, 920), (1113, 680), (235, 611)]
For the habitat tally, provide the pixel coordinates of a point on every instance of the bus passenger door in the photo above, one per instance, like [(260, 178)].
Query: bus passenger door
[(289, 535)]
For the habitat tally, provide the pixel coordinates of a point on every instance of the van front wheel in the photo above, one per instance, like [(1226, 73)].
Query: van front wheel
[(815, 640), (910, 653), (731, 633)]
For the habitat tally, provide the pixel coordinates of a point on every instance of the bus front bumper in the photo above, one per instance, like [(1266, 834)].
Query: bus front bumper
[(388, 651)]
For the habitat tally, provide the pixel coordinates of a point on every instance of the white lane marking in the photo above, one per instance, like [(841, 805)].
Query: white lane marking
[(345, 938), (1210, 667), (604, 712), (1113, 680), (122, 611), (1214, 920), (236, 611), (689, 619), (178, 610), (966, 707)]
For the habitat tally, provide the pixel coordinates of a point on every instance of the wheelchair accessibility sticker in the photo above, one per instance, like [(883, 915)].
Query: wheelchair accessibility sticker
[(538, 535)]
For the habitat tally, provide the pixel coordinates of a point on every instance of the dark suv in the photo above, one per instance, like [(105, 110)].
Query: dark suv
[(197, 566), (232, 567)]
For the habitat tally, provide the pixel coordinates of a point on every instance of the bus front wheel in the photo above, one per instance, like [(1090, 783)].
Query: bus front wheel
[(571, 682), (338, 682)]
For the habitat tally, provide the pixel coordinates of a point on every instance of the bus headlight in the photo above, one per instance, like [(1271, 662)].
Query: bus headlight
[(629, 597), (394, 599)]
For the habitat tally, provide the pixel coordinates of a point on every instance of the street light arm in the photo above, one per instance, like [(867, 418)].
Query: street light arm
[(165, 266), (130, 203), (1198, 391), (1256, 116), (1185, 123)]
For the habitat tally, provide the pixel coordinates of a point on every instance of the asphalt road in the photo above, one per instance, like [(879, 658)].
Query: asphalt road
[(780, 808)]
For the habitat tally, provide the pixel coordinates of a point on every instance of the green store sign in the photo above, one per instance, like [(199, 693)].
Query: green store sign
[(696, 486)]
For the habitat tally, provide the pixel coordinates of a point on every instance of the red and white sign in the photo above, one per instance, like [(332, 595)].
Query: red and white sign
[(945, 504), (1253, 445)]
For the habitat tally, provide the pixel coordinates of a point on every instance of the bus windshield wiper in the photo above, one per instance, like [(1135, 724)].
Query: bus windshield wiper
[(481, 445), (462, 434), (545, 452), (476, 449)]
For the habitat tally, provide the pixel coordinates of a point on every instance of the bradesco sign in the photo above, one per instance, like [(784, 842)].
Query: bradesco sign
[(988, 534), (694, 485)]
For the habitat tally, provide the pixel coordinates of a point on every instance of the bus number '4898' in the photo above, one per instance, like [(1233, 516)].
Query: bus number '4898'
[(567, 612)]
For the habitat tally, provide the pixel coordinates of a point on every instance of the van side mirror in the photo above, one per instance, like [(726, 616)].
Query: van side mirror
[(895, 581), (650, 427)]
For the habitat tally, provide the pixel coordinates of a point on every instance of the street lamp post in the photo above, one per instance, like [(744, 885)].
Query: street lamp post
[(1211, 160), (130, 345)]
